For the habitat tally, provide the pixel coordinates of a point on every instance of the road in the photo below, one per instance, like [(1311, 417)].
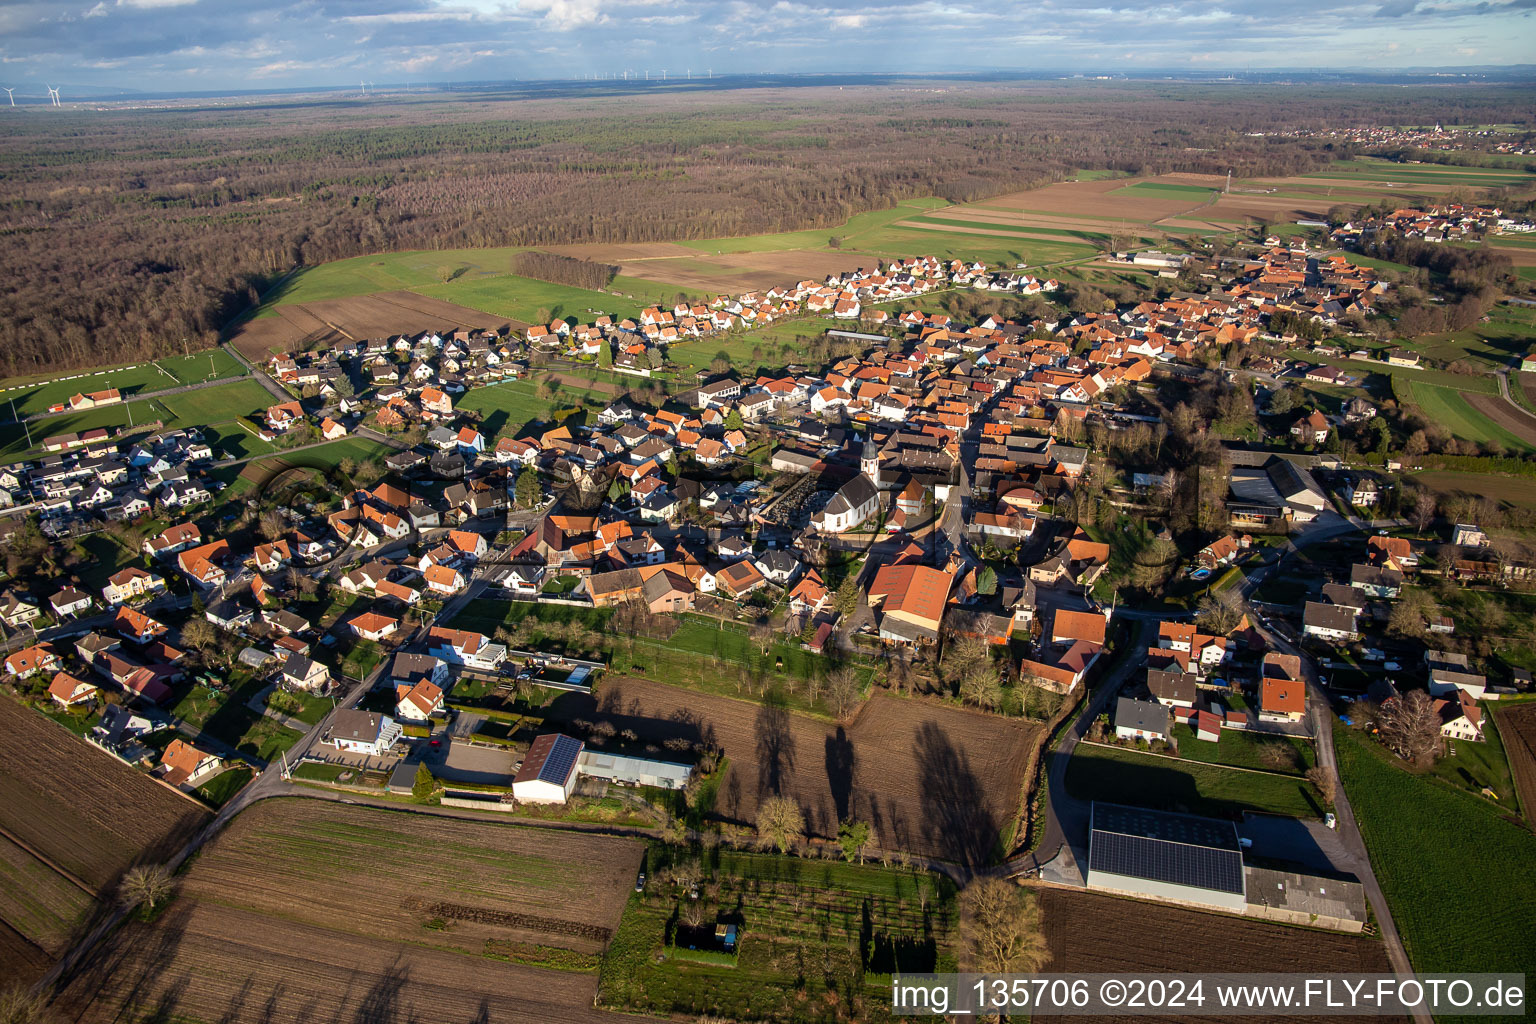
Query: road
[(275, 389)]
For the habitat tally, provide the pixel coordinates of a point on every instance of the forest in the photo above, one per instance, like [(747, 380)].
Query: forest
[(547, 266), (135, 233)]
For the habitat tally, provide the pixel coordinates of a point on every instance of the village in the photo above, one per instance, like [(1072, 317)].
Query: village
[(962, 510)]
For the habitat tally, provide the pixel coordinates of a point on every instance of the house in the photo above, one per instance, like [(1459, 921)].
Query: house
[(17, 610), (1469, 536), (1141, 719), (1329, 621), (808, 596), (667, 591), (407, 669), (301, 673), (739, 579), (1172, 689), (362, 732), (1375, 580), (778, 565), (134, 625), (331, 430), (29, 661), (466, 648), (548, 774), (1311, 428), (173, 540), (1451, 673), (129, 584), (1218, 552), (1361, 491), (69, 691), (201, 564), (418, 701), (1460, 718), (183, 764), (373, 626), (1282, 700), (70, 602), (281, 417), (443, 580), (1069, 627)]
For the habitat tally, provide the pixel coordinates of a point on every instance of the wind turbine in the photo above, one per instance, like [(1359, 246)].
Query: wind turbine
[(12, 94), (53, 94), (663, 74)]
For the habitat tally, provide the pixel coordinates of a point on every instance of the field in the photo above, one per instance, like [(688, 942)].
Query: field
[(1474, 417), (1247, 750), (1517, 728), (505, 407), (312, 910), (292, 324), (1114, 773), (929, 779), (217, 406), (1419, 832), (72, 819), (1088, 932), (35, 394), (1511, 490), (818, 940)]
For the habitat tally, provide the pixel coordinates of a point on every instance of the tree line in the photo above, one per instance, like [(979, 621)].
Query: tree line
[(556, 269)]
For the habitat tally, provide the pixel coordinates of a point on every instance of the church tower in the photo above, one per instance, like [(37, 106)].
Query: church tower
[(869, 462)]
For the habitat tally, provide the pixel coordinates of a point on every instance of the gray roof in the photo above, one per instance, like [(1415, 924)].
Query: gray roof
[(1329, 616), (361, 726), (1146, 715), (854, 494), (1180, 849), (1175, 686), (1342, 898)]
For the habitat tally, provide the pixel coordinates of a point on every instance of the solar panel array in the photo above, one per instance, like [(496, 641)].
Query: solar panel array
[(560, 760), (1180, 849), (1200, 867)]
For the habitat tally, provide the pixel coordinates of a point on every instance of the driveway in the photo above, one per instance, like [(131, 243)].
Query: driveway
[(1303, 842)]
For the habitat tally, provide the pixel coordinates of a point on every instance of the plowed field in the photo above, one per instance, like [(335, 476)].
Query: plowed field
[(1515, 420), (296, 327), (204, 962), (932, 780), (1517, 728), (482, 881), (1087, 933)]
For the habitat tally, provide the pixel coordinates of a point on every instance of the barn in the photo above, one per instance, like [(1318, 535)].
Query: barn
[(1177, 857), (548, 774)]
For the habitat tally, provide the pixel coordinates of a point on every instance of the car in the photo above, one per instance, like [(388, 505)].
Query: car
[(640, 882), (1330, 820), (1392, 666), (435, 743), (1245, 843)]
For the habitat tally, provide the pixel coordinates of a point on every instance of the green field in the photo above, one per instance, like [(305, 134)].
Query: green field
[(1449, 409), (1167, 188), (504, 408), (1420, 832), (216, 405), (1127, 776), (1247, 750), (32, 395), (817, 938)]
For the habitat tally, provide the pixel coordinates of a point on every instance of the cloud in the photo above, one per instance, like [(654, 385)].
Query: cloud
[(565, 15), (850, 21)]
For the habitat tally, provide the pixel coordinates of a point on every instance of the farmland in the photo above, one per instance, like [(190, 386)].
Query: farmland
[(539, 887), (1403, 818), (72, 819), (313, 910), (1511, 490), (929, 779), (818, 940), (1474, 417), (1517, 727), (1113, 773)]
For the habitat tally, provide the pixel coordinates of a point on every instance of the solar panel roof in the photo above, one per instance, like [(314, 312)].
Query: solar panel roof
[(560, 760), (1179, 849)]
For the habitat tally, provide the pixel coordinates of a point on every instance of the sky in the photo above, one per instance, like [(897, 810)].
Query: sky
[(195, 45)]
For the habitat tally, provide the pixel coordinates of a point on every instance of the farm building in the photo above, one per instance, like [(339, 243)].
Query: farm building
[(548, 774), (633, 771), (1176, 857)]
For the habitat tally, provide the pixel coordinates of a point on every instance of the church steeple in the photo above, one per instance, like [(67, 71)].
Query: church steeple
[(869, 461)]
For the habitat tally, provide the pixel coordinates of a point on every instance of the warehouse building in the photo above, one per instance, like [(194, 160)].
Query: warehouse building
[(555, 762), (1176, 857)]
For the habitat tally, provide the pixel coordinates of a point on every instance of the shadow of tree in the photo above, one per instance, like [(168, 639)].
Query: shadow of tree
[(956, 821)]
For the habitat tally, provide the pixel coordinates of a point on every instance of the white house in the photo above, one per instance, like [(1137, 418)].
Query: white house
[(363, 732), (419, 702), (1140, 719)]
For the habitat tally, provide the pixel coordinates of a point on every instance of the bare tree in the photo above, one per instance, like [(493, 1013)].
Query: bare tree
[(146, 886), (780, 822), (1322, 778), (1220, 613), (1410, 726), (1000, 928), (762, 637), (21, 1005), (1423, 509), (844, 689)]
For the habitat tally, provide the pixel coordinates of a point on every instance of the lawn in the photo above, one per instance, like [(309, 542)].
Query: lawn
[(504, 408), (227, 718), (1475, 766), (1449, 409), (1128, 776), (1512, 489), (218, 790), (1141, 187), (1421, 832), (1241, 749), (816, 936)]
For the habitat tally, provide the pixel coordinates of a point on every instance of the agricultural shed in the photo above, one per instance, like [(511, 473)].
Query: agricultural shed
[(1180, 858), (634, 771), (548, 774)]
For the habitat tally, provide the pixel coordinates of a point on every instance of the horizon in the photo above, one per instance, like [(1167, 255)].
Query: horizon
[(179, 47)]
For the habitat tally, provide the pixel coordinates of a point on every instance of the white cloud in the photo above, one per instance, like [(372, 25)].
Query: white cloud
[(850, 21), (152, 4), (564, 15)]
